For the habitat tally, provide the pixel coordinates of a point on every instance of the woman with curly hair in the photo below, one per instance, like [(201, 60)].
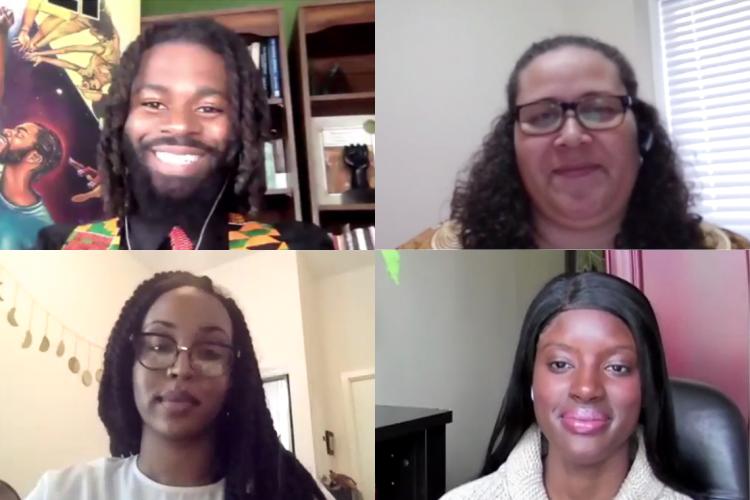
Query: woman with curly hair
[(578, 160), (182, 400)]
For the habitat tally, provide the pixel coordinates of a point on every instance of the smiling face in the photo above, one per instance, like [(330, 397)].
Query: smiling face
[(179, 125), (576, 178), (17, 142), (587, 386), (181, 403)]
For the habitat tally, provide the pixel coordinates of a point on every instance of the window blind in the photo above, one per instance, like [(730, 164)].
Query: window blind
[(706, 67)]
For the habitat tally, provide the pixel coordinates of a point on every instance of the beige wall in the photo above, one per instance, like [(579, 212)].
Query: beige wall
[(49, 419), (442, 66), (267, 288), (338, 308), (446, 338)]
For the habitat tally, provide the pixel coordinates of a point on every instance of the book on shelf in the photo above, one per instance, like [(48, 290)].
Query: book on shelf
[(274, 67), (277, 176), (282, 176), (357, 238), (265, 55), (264, 67), (369, 237), (270, 167), (254, 50)]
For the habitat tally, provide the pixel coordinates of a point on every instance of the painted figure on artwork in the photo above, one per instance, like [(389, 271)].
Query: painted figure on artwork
[(56, 66)]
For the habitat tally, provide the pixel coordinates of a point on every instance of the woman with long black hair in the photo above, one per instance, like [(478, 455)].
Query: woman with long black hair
[(587, 413), (182, 400)]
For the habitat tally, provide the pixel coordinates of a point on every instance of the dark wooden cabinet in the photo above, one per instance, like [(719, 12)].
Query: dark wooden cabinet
[(410, 452)]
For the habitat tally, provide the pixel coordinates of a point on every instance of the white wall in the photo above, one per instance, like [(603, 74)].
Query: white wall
[(442, 66), (49, 419), (446, 338), (339, 316), (267, 289)]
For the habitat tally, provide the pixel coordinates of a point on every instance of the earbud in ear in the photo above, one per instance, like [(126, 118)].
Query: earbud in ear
[(646, 141)]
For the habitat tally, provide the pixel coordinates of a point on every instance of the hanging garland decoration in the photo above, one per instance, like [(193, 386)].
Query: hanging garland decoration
[(10, 291)]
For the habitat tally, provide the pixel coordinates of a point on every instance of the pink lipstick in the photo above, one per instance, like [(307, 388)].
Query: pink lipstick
[(585, 421)]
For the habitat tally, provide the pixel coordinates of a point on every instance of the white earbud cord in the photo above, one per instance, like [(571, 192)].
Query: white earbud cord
[(203, 229)]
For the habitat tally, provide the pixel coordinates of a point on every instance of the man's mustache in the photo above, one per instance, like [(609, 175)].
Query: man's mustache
[(189, 142)]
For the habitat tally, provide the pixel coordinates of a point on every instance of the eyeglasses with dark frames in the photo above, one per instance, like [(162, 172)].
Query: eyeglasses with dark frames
[(158, 351), (593, 112)]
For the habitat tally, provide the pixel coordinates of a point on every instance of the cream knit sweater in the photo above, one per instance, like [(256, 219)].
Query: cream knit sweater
[(521, 477)]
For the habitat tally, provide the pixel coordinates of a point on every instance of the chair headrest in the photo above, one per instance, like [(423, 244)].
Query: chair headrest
[(712, 440)]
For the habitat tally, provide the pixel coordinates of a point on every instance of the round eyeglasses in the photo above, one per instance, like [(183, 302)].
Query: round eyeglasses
[(593, 112), (157, 351)]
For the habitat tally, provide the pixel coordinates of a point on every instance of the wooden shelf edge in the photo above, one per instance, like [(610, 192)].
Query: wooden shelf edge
[(342, 97), (328, 14), (263, 20), (279, 192), (352, 207)]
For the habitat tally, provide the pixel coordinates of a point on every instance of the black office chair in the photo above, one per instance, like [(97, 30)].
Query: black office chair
[(712, 441)]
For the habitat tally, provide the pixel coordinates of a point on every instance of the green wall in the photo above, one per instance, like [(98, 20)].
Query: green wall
[(157, 7)]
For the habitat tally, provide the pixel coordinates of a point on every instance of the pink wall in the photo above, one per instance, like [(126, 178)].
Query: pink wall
[(702, 303)]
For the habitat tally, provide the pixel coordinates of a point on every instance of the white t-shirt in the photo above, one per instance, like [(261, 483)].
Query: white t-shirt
[(120, 479), (115, 479)]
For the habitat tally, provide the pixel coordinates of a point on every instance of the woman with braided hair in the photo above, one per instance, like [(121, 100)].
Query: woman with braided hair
[(182, 400)]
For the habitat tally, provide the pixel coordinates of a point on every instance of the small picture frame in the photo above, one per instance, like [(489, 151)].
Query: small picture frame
[(279, 402), (330, 135)]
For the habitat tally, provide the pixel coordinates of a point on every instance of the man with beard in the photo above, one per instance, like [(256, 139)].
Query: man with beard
[(27, 152), (181, 151)]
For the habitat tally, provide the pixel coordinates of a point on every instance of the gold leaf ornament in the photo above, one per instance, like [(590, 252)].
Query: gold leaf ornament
[(74, 365), (27, 340), (44, 346), (12, 316)]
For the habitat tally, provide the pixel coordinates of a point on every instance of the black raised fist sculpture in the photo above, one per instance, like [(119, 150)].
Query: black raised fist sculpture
[(357, 158)]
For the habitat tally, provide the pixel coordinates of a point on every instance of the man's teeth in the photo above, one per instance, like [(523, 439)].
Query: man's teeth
[(175, 159)]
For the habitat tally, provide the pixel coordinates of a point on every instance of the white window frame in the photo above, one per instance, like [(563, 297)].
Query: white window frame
[(657, 63), (659, 76)]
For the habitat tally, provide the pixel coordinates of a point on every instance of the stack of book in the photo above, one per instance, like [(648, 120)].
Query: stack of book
[(276, 172), (265, 56), (357, 238)]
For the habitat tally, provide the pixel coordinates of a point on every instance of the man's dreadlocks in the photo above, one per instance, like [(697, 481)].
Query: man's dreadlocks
[(247, 104)]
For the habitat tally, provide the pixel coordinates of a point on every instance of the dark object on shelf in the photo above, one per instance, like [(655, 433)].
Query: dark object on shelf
[(410, 452), (357, 158), (333, 82), (333, 52)]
